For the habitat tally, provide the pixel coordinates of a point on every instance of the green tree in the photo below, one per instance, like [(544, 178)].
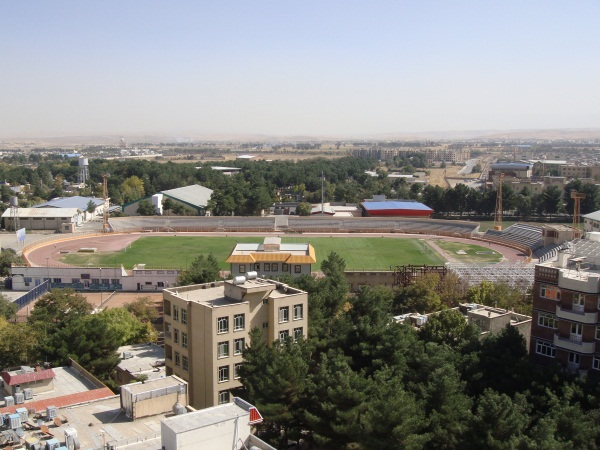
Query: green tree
[(8, 309), (202, 270), (8, 257), (304, 209), (551, 199), (146, 208), (167, 204), (91, 207), (132, 188), (448, 327), (125, 327), (143, 308), (18, 343)]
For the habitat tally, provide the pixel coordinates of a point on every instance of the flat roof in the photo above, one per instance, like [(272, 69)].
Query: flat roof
[(386, 205), (144, 358), (44, 212), (205, 417), (152, 385)]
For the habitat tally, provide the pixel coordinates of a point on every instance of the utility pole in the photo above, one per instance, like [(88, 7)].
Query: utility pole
[(498, 216), (105, 226)]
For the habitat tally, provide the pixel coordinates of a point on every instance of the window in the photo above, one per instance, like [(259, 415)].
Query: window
[(285, 267), (284, 314), (265, 324), (298, 333), (578, 302), (573, 359), (183, 316), (115, 281), (105, 281), (176, 336), (551, 292), (283, 335), (297, 268), (265, 301), (223, 349), (236, 370), (95, 280), (177, 359), (223, 373), (257, 266), (74, 280), (547, 320), (238, 346), (175, 312), (298, 312), (543, 348), (274, 267), (239, 322), (184, 361), (57, 280), (597, 332), (242, 268), (184, 340), (223, 325), (596, 363), (223, 397), (267, 267), (168, 330)]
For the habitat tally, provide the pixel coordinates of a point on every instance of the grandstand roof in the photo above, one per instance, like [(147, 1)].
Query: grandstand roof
[(400, 208), (194, 195), (76, 201)]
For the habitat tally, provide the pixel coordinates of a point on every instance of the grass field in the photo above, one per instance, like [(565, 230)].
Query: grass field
[(179, 251), (485, 254)]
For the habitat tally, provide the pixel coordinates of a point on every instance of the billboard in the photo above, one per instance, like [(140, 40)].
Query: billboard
[(21, 235)]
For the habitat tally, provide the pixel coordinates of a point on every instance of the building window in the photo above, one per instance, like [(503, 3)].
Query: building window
[(298, 312), (265, 301), (57, 280), (574, 359), (236, 370), (267, 267), (183, 316), (184, 340), (95, 280), (223, 373), (105, 281), (115, 281), (223, 349), (274, 267), (184, 361), (239, 322), (223, 397), (297, 268), (551, 292), (283, 335), (168, 330), (238, 346), (223, 325), (257, 266), (242, 268), (175, 312), (75, 280), (596, 363), (177, 359), (298, 333), (547, 320), (176, 336), (285, 267), (597, 332), (284, 314), (265, 324), (543, 348)]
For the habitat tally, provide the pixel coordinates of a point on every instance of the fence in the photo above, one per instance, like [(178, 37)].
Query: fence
[(33, 294)]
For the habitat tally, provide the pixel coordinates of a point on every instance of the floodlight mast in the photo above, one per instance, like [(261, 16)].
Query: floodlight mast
[(105, 225)]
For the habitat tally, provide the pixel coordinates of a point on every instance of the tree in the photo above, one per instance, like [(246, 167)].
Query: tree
[(132, 188), (91, 207), (18, 343), (551, 199), (202, 270), (8, 257), (448, 327), (167, 204), (8, 309), (304, 209), (125, 327), (145, 208), (143, 308)]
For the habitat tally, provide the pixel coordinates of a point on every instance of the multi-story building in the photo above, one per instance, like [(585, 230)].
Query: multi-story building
[(272, 258), (207, 327), (576, 171), (565, 324)]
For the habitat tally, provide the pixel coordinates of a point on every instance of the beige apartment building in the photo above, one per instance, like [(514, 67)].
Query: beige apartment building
[(207, 327)]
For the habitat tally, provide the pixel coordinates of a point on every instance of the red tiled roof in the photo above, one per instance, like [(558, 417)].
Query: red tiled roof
[(62, 402), (18, 378)]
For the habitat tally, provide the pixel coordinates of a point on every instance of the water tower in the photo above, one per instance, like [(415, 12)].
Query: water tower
[(14, 212), (84, 172)]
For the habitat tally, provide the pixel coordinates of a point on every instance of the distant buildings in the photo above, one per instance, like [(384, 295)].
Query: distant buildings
[(432, 154), (192, 198), (207, 327), (379, 206)]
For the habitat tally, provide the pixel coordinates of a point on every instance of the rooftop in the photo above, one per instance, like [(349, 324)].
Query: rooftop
[(379, 206), (44, 212), (195, 194), (76, 201), (143, 358)]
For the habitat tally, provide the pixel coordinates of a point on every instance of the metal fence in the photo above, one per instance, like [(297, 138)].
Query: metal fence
[(33, 294)]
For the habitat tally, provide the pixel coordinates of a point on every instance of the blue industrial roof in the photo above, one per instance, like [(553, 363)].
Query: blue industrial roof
[(76, 201), (380, 206)]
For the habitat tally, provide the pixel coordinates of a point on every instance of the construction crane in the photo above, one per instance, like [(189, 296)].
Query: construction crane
[(577, 197), (105, 226), (498, 215)]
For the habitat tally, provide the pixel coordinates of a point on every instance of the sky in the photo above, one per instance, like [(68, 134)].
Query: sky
[(289, 67)]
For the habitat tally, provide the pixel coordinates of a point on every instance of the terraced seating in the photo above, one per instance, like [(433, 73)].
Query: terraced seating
[(529, 236)]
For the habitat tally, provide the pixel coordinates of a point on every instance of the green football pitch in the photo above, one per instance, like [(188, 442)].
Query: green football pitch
[(360, 253)]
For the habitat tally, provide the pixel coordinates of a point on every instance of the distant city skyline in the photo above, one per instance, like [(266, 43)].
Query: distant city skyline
[(313, 68)]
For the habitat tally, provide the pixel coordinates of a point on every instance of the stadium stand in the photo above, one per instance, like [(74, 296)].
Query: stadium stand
[(519, 235)]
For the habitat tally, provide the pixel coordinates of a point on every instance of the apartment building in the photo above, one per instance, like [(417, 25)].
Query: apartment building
[(576, 171), (565, 324), (207, 328)]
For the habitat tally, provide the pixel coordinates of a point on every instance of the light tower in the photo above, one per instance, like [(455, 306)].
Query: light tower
[(577, 197), (84, 172), (498, 215), (105, 226)]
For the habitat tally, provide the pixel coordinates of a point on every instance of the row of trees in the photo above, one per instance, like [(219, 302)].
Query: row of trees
[(362, 381), (61, 327)]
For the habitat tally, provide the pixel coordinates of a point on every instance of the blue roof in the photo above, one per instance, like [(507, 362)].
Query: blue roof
[(71, 202), (380, 206)]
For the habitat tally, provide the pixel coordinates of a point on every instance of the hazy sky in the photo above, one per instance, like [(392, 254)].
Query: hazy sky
[(282, 67)]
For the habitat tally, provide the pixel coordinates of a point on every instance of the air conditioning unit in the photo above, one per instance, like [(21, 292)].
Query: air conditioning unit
[(51, 412), (9, 401), (19, 398), (23, 414), (14, 421), (127, 355), (28, 393)]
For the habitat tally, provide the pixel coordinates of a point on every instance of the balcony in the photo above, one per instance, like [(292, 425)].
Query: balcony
[(576, 316), (581, 281), (574, 344)]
